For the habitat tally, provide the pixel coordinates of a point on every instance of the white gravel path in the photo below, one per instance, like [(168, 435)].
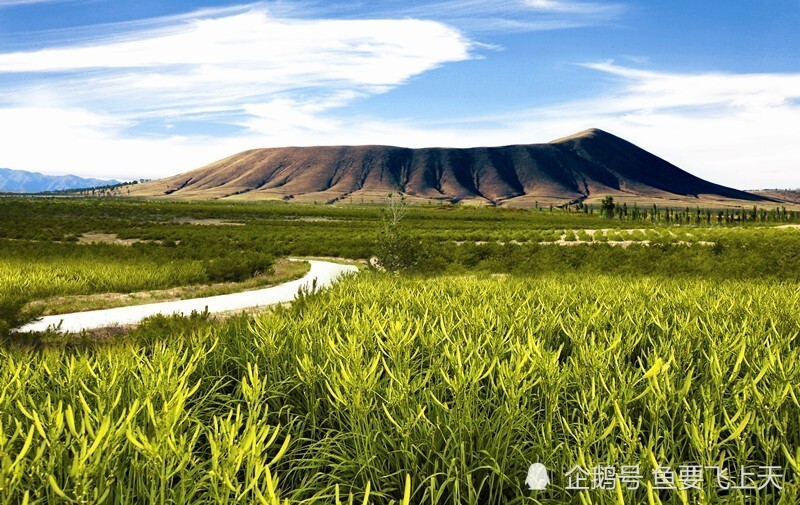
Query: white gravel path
[(323, 272)]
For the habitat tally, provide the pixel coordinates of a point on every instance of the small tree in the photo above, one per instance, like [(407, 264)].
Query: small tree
[(607, 207), (396, 251)]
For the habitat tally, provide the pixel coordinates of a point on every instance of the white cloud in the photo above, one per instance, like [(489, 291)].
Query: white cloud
[(62, 141), (8, 3), (233, 59), (509, 15), (262, 74), (572, 7), (333, 49)]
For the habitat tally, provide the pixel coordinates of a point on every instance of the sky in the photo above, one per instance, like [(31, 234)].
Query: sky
[(151, 88)]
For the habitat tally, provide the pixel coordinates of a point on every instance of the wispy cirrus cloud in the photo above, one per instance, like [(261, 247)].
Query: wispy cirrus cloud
[(569, 6), (6, 3), (243, 75), (233, 58), (246, 72), (482, 16)]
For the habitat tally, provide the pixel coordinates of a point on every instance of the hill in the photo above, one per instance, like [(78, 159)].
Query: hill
[(21, 181), (789, 196), (583, 167)]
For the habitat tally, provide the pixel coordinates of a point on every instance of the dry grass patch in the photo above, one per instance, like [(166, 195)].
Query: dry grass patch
[(106, 238), (207, 222)]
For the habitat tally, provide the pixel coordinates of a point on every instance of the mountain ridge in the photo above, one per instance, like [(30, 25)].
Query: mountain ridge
[(23, 181), (585, 166)]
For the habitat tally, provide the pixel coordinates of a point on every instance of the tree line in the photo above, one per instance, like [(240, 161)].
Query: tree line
[(610, 209)]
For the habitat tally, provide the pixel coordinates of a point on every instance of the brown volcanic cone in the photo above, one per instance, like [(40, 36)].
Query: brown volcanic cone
[(584, 167)]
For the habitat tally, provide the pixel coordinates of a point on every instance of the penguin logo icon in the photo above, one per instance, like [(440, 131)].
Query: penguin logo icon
[(538, 478)]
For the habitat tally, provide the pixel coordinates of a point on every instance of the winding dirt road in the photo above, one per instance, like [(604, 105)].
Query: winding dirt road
[(323, 272)]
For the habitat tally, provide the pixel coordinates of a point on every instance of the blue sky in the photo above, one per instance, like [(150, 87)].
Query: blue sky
[(151, 88)]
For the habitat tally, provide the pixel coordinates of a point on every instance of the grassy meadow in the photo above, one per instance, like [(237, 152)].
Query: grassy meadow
[(512, 337)]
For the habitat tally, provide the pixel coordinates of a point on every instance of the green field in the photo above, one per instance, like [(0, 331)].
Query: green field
[(512, 337)]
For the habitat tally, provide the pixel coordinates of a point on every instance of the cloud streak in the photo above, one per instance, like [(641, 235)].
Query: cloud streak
[(573, 7), (10, 3), (245, 71), (508, 15), (245, 56)]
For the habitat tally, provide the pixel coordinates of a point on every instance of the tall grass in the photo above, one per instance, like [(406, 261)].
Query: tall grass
[(432, 391), (67, 276), (25, 279), (33, 271)]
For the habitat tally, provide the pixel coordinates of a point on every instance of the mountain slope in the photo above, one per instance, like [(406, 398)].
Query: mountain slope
[(583, 167), (21, 181), (789, 196)]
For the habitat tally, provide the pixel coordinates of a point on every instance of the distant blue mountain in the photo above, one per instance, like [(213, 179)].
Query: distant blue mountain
[(20, 181)]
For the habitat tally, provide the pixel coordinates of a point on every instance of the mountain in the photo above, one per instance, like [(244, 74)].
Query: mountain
[(583, 167), (20, 181)]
